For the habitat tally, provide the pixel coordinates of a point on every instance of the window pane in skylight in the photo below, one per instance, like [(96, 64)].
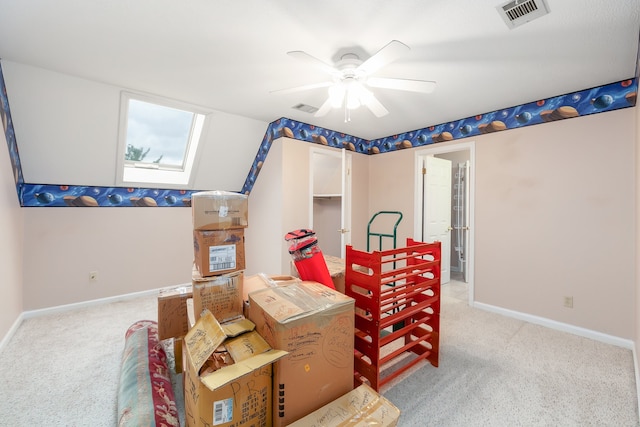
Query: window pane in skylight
[(158, 141), (157, 134)]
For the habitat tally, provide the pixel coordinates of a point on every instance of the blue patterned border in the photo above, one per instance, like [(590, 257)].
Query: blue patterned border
[(91, 196), (10, 135), (589, 101)]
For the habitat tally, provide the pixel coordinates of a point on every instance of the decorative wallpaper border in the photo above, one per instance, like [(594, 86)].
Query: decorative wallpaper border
[(609, 97), (589, 101)]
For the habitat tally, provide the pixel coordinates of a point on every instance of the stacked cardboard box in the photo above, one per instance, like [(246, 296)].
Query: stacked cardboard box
[(172, 318), (172, 311), (268, 353), (222, 295), (211, 397), (229, 385), (219, 220)]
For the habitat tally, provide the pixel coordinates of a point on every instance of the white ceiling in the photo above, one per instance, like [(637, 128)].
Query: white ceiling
[(228, 55)]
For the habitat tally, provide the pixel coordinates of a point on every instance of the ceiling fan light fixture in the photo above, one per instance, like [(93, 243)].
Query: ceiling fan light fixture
[(336, 95), (352, 76), (353, 101)]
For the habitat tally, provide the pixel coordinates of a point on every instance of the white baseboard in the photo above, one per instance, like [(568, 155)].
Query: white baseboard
[(11, 331), (635, 368), (68, 307), (576, 330)]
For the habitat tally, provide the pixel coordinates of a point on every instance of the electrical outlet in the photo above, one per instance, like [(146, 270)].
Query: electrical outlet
[(93, 276), (568, 302)]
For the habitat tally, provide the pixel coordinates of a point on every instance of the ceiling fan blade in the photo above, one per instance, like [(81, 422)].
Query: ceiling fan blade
[(324, 108), (423, 86), (389, 53), (315, 62), (302, 88), (375, 106)]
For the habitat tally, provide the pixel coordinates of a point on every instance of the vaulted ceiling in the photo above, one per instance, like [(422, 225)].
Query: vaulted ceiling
[(229, 55)]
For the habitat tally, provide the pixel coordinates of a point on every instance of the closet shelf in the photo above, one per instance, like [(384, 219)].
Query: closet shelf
[(326, 196)]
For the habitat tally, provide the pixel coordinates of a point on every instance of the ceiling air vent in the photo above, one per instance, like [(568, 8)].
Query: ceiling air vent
[(519, 12), (306, 108)]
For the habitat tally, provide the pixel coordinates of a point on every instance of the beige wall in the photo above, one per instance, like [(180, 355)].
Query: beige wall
[(555, 207), (280, 202), (263, 248), (554, 218), (391, 188), (360, 185), (133, 249), (11, 224), (637, 254), (554, 215)]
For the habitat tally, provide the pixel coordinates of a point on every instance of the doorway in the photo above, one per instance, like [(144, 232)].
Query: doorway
[(460, 256), (330, 211)]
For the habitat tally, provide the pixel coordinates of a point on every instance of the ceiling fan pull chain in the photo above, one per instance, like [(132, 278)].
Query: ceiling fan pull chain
[(347, 113)]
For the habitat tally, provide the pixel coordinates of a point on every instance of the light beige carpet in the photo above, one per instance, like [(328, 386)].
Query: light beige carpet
[(62, 370), (499, 371)]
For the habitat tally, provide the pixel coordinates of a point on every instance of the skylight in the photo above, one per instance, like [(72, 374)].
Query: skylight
[(158, 141)]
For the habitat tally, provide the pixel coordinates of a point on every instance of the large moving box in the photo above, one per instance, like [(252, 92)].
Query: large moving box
[(218, 251), (262, 281), (222, 394), (222, 295), (315, 325), (362, 407), (219, 210)]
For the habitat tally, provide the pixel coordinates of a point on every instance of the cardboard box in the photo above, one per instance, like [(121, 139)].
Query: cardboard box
[(362, 407), (191, 314), (219, 210), (177, 355), (239, 394), (172, 311), (315, 324), (221, 295), (262, 281), (218, 251), (336, 267)]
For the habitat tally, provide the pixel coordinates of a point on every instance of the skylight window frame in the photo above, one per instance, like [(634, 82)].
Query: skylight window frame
[(145, 174)]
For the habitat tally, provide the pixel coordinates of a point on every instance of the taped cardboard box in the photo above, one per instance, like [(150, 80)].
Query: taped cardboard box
[(221, 295), (219, 210), (262, 281), (172, 311), (234, 386), (315, 324), (362, 407), (336, 267), (218, 251)]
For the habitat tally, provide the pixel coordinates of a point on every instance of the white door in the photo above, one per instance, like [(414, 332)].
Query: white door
[(437, 209), (345, 219), (466, 222)]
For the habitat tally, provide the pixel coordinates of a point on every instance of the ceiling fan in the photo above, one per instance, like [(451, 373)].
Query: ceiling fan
[(351, 77)]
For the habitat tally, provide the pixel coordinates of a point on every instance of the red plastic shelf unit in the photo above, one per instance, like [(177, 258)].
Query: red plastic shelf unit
[(397, 299)]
